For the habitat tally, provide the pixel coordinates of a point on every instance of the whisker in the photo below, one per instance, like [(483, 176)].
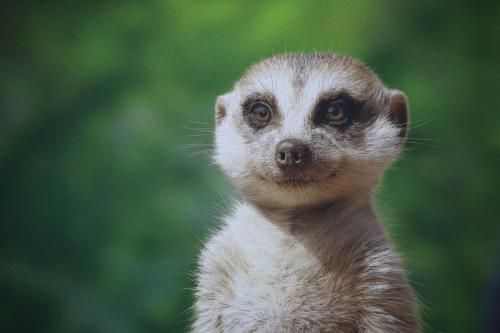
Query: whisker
[(188, 146), (200, 122), (197, 135), (198, 129), (419, 123), (207, 153), (422, 139)]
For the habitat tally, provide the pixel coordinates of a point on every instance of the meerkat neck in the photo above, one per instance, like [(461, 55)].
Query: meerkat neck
[(305, 218), (332, 230)]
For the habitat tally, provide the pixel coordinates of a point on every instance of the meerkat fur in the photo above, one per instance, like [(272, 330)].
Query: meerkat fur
[(305, 139)]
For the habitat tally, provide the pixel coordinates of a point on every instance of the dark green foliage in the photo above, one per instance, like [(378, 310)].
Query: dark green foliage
[(106, 113)]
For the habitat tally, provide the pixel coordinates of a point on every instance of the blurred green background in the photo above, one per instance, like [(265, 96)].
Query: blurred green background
[(106, 114)]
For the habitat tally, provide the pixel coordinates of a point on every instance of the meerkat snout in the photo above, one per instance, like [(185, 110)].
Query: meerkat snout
[(291, 154)]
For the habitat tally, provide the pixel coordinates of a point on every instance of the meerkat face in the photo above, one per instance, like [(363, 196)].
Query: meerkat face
[(304, 129)]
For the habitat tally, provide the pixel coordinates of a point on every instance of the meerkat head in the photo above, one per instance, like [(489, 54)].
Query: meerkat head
[(308, 129)]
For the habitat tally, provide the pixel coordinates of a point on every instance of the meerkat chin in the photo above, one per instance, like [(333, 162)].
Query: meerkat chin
[(305, 139)]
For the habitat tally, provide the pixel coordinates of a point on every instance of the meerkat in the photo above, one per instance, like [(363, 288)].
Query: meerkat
[(305, 138)]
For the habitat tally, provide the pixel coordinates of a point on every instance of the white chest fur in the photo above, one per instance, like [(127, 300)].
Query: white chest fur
[(254, 277)]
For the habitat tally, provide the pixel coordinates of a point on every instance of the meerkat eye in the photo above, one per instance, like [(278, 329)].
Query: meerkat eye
[(338, 111), (336, 114), (261, 113)]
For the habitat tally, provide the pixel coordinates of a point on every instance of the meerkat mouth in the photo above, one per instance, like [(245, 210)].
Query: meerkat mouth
[(296, 182)]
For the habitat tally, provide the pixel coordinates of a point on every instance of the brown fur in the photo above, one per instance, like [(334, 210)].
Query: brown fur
[(306, 255)]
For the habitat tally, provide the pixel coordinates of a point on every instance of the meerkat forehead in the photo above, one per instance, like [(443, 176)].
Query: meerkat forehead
[(305, 75)]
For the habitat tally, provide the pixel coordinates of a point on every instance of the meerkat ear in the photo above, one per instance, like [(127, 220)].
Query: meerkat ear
[(220, 109), (398, 111)]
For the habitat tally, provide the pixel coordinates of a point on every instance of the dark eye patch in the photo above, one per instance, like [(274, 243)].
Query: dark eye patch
[(255, 101), (337, 102)]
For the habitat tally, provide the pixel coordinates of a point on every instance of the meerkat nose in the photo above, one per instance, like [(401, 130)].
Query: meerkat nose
[(292, 153)]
